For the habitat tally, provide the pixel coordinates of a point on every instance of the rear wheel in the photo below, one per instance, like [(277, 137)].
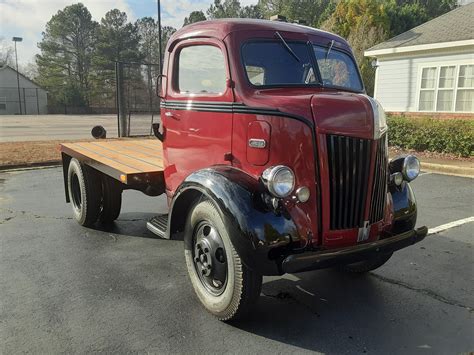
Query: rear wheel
[(223, 284), (84, 188), (111, 200)]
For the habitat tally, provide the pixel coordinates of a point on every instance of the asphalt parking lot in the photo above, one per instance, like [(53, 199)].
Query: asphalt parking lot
[(68, 289)]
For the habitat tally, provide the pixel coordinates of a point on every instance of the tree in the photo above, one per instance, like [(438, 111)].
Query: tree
[(66, 52), (195, 16), (6, 53), (117, 41), (251, 11), (224, 9)]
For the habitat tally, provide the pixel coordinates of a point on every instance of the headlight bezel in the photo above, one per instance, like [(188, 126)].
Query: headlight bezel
[(408, 164), (270, 175)]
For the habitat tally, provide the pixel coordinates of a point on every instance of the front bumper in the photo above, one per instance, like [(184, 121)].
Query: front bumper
[(327, 258)]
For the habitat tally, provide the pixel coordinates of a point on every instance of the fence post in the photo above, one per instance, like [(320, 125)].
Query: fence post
[(24, 100), (37, 103), (123, 130)]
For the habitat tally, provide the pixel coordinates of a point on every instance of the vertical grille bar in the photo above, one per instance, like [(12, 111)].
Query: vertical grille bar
[(379, 191), (349, 162)]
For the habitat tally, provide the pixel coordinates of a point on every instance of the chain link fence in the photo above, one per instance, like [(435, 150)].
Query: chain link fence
[(138, 107)]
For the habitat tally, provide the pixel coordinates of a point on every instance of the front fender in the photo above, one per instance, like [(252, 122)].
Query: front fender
[(260, 235), (405, 208)]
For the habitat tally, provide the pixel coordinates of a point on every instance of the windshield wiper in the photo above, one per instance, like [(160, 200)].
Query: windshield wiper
[(329, 49), (287, 47)]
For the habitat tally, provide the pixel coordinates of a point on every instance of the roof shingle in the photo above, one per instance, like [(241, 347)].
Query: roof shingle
[(456, 25)]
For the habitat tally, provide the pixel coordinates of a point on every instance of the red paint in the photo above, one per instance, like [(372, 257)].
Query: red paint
[(196, 140)]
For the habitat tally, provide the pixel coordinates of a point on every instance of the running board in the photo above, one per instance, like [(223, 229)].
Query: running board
[(158, 225)]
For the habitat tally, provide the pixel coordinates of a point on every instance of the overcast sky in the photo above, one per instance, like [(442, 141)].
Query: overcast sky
[(27, 18)]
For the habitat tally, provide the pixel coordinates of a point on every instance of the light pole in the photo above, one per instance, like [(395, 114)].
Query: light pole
[(17, 39), (158, 4)]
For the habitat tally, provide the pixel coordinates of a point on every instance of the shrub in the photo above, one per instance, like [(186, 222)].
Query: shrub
[(455, 136)]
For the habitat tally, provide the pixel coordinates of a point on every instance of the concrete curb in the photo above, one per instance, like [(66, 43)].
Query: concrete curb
[(455, 170), (428, 167), (42, 165)]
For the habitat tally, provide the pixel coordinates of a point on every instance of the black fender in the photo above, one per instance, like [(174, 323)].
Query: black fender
[(261, 236), (405, 208)]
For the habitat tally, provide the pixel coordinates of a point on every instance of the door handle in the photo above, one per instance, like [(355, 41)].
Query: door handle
[(170, 115)]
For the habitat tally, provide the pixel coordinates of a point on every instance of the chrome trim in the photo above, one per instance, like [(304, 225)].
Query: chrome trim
[(404, 167), (257, 143), (268, 176)]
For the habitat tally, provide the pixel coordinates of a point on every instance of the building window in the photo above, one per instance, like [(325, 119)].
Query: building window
[(447, 88), (465, 94), (427, 90), (3, 103)]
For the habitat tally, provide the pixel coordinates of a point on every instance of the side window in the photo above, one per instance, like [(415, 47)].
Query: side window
[(201, 69)]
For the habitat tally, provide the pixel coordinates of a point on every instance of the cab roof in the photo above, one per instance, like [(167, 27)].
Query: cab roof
[(223, 27)]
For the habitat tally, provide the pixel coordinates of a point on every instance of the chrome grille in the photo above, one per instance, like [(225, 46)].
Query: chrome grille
[(379, 188), (349, 164)]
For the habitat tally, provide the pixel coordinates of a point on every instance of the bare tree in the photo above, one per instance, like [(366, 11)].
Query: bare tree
[(6, 52)]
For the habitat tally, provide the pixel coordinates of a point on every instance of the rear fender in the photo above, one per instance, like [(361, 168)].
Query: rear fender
[(260, 236)]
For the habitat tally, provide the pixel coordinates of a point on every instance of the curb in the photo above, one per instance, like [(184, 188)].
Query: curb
[(448, 169), (42, 165), (428, 167)]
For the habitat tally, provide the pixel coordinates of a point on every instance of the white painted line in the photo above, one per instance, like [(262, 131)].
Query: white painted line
[(427, 173), (450, 225), (302, 289)]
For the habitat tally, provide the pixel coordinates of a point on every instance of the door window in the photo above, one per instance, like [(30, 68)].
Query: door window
[(201, 70)]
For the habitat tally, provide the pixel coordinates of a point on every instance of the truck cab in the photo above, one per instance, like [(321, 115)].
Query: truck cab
[(274, 160)]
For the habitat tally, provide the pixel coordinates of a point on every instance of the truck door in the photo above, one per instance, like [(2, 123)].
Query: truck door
[(197, 110)]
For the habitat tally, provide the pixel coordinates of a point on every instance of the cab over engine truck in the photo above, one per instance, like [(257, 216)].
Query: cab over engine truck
[(272, 158)]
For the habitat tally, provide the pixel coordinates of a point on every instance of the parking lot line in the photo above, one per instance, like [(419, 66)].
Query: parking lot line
[(450, 225)]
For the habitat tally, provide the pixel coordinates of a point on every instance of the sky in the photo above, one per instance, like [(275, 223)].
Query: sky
[(27, 18)]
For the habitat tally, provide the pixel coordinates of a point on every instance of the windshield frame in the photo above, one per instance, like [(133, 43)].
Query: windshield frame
[(314, 64)]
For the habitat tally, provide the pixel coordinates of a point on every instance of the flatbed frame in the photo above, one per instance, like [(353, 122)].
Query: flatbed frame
[(131, 161)]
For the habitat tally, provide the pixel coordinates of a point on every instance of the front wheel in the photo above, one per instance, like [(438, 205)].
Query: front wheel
[(223, 284)]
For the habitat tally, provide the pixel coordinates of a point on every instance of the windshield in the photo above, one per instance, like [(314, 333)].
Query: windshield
[(273, 64)]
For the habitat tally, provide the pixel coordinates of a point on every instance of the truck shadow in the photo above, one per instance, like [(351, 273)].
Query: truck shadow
[(327, 311), (130, 224)]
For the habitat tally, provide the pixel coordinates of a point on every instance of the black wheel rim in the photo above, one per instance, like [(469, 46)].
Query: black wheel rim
[(76, 192), (209, 258)]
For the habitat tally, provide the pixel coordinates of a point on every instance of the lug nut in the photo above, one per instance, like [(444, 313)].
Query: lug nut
[(206, 250)]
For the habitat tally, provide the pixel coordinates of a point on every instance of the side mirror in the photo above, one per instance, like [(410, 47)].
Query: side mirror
[(159, 85)]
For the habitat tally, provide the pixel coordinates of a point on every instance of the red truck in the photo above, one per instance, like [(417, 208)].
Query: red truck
[(272, 157)]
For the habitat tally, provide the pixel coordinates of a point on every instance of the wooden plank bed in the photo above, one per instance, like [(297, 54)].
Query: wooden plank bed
[(131, 161)]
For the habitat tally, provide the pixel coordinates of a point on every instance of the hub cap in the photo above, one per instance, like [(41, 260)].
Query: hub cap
[(209, 258)]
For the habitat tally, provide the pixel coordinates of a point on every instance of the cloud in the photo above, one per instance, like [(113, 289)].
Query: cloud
[(28, 18)]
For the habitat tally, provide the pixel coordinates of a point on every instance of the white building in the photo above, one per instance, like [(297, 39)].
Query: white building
[(33, 98), (429, 68)]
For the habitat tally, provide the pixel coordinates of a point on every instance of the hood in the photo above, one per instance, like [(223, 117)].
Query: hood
[(333, 112), (343, 113)]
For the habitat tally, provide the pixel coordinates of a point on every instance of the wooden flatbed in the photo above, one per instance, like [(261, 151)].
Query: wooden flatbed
[(131, 161)]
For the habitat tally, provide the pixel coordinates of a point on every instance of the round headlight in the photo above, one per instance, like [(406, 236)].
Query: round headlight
[(411, 167), (279, 180)]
